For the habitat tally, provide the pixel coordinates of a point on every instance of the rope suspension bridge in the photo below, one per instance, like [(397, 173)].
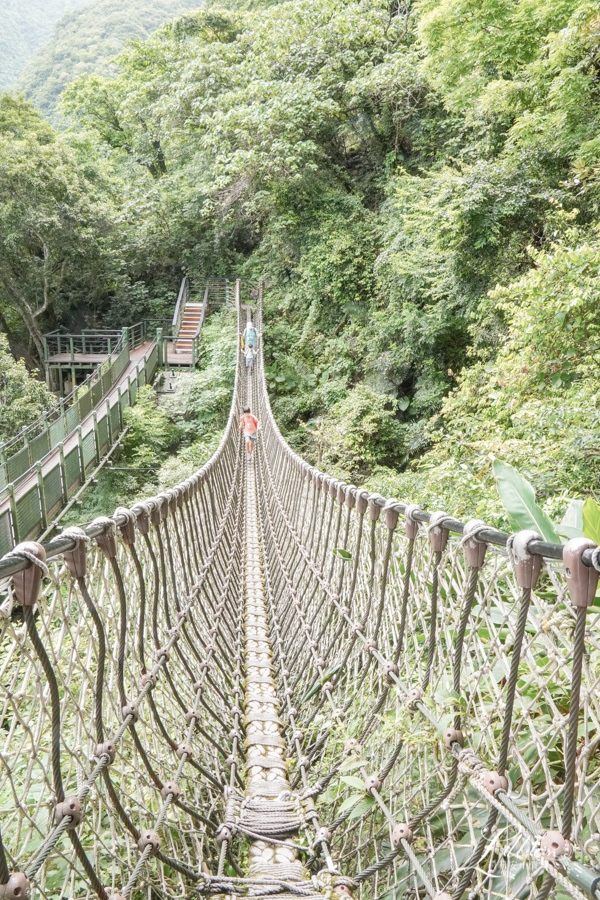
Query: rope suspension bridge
[(266, 682)]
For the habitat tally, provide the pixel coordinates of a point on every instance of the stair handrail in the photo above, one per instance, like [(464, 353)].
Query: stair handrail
[(182, 299)]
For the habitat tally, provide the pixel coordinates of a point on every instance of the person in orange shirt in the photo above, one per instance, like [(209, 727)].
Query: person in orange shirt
[(250, 425)]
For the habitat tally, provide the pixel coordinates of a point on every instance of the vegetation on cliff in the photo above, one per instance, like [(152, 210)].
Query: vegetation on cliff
[(419, 183)]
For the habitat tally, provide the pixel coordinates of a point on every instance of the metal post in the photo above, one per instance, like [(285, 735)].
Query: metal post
[(42, 494), (13, 512), (81, 459), (63, 472), (125, 334), (83, 342), (108, 423), (27, 447), (96, 435), (159, 344), (71, 350), (120, 403), (3, 465), (108, 346)]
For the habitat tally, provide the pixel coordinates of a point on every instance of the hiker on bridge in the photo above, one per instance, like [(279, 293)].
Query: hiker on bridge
[(250, 424), (249, 358), (250, 335)]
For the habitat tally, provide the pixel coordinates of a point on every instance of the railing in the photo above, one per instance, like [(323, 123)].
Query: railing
[(219, 291), (182, 299), (39, 485), (90, 342), (435, 730), (169, 352), (18, 455)]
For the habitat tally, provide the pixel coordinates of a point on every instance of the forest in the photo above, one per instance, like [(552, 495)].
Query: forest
[(418, 183), (25, 27), (88, 40)]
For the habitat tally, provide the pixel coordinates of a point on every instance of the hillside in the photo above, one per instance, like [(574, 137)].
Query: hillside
[(419, 186), (87, 40), (25, 27)]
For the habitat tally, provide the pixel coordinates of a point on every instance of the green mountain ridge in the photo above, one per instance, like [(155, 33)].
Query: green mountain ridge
[(87, 41), (25, 27)]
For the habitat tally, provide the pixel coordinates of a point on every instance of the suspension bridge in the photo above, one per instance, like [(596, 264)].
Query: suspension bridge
[(267, 682)]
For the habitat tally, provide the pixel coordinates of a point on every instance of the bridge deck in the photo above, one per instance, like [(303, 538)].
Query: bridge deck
[(266, 781)]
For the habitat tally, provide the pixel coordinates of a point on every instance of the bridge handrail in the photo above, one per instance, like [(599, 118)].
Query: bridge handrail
[(395, 648), (295, 475)]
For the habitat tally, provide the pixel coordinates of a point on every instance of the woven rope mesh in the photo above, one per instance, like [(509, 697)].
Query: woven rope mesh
[(392, 662)]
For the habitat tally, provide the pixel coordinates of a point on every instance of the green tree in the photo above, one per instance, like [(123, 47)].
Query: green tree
[(23, 397), (47, 221)]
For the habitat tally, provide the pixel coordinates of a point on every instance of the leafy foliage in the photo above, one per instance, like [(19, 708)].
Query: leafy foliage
[(419, 184), (23, 398)]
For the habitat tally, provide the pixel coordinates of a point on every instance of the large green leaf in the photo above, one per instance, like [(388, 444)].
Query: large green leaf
[(571, 525), (591, 520), (518, 499), (354, 782)]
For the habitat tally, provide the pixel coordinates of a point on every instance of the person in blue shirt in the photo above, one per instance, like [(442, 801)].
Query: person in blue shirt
[(250, 335), (249, 356)]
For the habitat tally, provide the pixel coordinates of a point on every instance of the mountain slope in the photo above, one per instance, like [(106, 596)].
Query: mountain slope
[(87, 40), (25, 27)]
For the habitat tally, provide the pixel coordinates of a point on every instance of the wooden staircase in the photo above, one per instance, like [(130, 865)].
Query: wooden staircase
[(190, 323)]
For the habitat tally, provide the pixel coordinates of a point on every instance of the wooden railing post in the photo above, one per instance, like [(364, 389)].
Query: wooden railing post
[(109, 423), (159, 344)]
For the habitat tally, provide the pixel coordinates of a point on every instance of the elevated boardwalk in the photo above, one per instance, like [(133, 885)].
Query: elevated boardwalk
[(29, 502)]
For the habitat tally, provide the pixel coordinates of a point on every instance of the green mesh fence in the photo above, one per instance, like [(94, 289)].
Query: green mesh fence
[(114, 418), (85, 406), (89, 450), (28, 513), (53, 492), (40, 445), (6, 535), (57, 432), (103, 438), (72, 418), (18, 464), (72, 467)]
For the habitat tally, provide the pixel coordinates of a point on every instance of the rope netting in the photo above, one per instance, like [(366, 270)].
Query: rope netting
[(423, 691)]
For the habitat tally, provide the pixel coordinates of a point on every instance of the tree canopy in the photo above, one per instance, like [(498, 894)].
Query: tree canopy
[(400, 173)]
